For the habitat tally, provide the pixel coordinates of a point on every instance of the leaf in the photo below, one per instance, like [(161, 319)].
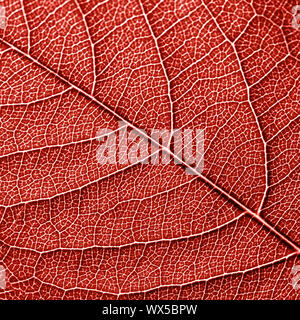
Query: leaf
[(71, 228)]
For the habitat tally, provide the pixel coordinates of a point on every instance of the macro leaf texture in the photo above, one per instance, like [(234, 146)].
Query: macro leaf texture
[(71, 228)]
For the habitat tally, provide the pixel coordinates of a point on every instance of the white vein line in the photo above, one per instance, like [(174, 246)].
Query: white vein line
[(252, 109), (269, 71), (57, 145), (27, 25), (137, 243), (82, 186), (26, 104), (98, 5), (198, 62), (278, 101), (283, 128), (285, 177), (91, 44), (50, 14), (226, 274), (156, 6), (163, 68), (178, 21)]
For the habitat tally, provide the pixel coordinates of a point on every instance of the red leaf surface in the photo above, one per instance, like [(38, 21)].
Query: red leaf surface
[(71, 228)]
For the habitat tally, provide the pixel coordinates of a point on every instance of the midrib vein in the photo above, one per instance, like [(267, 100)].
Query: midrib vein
[(157, 144)]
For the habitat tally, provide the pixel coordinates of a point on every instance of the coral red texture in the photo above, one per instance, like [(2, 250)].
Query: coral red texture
[(73, 228)]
